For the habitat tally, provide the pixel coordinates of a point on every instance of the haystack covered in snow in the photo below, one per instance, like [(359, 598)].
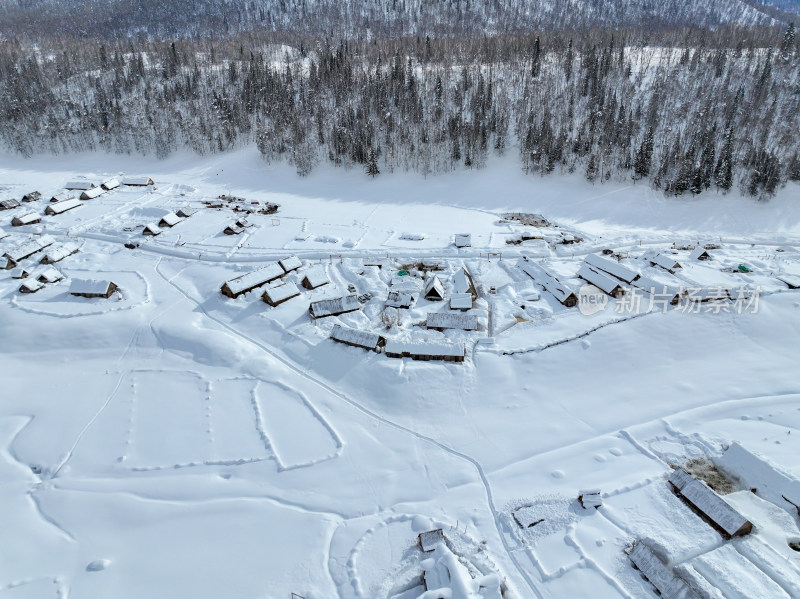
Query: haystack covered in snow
[(558, 289), (356, 338), (666, 261), (315, 277), (61, 207), (92, 288), (249, 281), (92, 193), (601, 280), (710, 506), (334, 307), (449, 320), (425, 350), (29, 218), (169, 220), (291, 263), (275, 296), (433, 290)]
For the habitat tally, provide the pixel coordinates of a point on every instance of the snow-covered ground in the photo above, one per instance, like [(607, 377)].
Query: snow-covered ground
[(171, 441)]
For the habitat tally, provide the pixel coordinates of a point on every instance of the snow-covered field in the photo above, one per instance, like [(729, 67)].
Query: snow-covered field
[(170, 441)]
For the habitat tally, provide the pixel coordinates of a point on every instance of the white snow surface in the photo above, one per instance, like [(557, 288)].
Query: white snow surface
[(171, 442)]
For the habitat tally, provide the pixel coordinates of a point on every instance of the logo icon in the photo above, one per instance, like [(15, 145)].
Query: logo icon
[(591, 300)]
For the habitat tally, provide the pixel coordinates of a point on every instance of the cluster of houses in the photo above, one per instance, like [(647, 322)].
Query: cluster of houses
[(168, 221), (275, 294)]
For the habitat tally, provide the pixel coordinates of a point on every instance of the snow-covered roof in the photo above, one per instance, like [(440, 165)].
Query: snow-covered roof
[(659, 575), (463, 240), (462, 282), (19, 273), (433, 288), (332, 307), (560, 291), (445, 575), (170, 219), (461, 301), (363, 339), (666, 261), (79, 185), (698, 252), (448, 320), (612, 267), (424, 348), (109, 184), (405, 284), (430, 538), (244, 223), (234, 228), (793, 281), (92, 193), (708, 502), (89, 286), (315, 276), (29, 248), (31, 285), (254, 279), (60, 197), (26, 219), (600, 279), (137, 181), (291, 263), (399, 299), (50, 275), (32, 196), (62, 206), (60, 252), (281, 293), (186, 211), (152, 228), (10, 203)]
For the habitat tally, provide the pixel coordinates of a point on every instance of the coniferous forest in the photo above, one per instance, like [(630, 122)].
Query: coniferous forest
[(682, 108)]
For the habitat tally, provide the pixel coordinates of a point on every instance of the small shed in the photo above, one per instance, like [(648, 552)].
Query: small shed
[(590, 498), (151, 229), (20, 273), (462, 283), (463, 240), (50, 275), (334, 307), (666, 261), (29, 218), (699, 253), (275, 296), (186, 211), (291, 263), (429, 539), (602, 280), (137, 181), (58, 253), (550, 282), (315, 277), (32, 196), (448, 320), (92, 288), (425, 350), (244, 223), (660, 576), (399, 299), (29, 248), (62, 206), (249, 281), (233, 229), (110, 184), (79, 185), (9, 204), (92, 193), (433, 290), (60, 197), (356, 338), (31, 286), (169, 220), (708, 505), (612, 267)]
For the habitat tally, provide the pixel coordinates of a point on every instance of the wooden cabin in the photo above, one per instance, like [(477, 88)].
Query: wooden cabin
[(249, 281), (32, 196), (29, 248), (151, 229), (79, 185), (29, 218), (612, 267), (334, 307), (94, 192), (20, 273), (110, 184), (433, 290), (233, 229), (356, 338), (601, 280), (61, 207), (275, 296), (399, 299), (290, 263), (60, 197), (448, 320), (9, 204), (186, 211), (425, 350), (31, 286), (315, 277), (708, 505), (666, 261), (462, 283), (659, 574), (137, 181), (169, 220), (550, 282), (58, 253), (92, 288), (50, 275)]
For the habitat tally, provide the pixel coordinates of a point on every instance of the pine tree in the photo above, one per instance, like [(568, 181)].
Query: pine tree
[(536, 63), (787, 45), (372, 164)]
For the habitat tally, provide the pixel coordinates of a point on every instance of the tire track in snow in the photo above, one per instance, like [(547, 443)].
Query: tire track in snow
[(385, 421)]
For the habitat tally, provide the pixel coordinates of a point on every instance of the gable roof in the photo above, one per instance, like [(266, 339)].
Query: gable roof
[(612, 267), (28, 218), (558, 289), (137, 181), (109, 184), (9, 204), (90, 194), (50, 275), (425, 348), (659, 575), (60, 252), (600, 279), (31, 285), (186, 211), (170, 220), (433, 288), (449, 320), (698, 252), (363, 339), (462, 283), (461, 301), (332, 307), (79, 185), (399, 299), (62, 206), (29, 248), (316, 276), (151, 228), (705, 500), (281, 293), (89, 286), (253, 279), (291, 263), (665, 261)]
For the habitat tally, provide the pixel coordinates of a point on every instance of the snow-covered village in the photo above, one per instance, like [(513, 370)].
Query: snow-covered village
[(341, 300)]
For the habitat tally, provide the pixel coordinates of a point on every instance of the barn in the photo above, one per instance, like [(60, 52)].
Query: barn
[(247, 282), (62, 206), (110, 184), (29, 218), (186, 211), (334, 307), (602, 280), (708, 505), (169, 220), (291, 263), (448, 320), (92, 288), (151, 229), (556, 288), (79, 185), (399, 299), (92, 193), (58, 253), (665, 261), (137, 181), (275, 296), (425, 350), (463, 240), (356, 338), (433, 290), (32, 196), (315, 277)]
